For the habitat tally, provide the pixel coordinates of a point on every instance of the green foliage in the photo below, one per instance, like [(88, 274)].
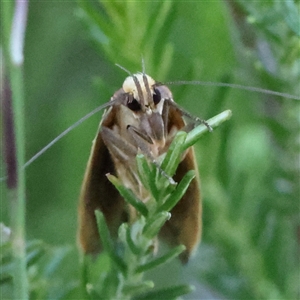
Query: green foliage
[(249, 167), (44, 264), (138, 240), (155, 19)]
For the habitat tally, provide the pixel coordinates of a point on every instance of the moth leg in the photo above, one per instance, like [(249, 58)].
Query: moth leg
[(119, 147), (140, 141), (123, 153), (186, 114)]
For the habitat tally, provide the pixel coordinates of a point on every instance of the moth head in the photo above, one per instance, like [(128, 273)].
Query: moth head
[(143, 95)]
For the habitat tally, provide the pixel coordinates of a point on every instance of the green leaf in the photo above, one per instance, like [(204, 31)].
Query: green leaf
[(174, 198), (147, 175), (125, 232), (6, 271), (154, 225), (107, 242), (172, 159), (128, 195), (169, 293), (104, 232), (33, 256), (94, 23), (35, 250), (161, 260), (131, 289), (57, 255)]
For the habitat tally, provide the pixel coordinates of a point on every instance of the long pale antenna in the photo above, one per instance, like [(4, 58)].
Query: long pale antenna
[(121, 67), (143, 66), (236, 86), (54, 141)]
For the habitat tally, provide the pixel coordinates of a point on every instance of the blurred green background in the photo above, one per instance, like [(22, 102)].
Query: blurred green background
[(249, 167)]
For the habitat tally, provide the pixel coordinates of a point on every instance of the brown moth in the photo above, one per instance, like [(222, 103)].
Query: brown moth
[(142, 116)]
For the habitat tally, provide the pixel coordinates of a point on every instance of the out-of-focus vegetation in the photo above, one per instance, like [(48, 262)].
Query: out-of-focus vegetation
[(249, 167)]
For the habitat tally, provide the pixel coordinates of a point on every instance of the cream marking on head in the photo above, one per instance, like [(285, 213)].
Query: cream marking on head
[(130, 87)]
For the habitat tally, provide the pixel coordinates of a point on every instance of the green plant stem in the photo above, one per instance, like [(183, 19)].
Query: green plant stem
[(16, 193), (215, 121), (84, 275)]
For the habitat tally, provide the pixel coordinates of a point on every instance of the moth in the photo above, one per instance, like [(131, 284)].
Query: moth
[(141, 116)]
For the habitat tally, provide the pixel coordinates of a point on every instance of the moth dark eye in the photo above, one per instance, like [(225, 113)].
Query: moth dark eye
[(156, 96), (133, 104)]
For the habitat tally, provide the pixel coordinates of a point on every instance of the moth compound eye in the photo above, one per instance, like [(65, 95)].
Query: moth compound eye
[(156, 96), (133, 104)]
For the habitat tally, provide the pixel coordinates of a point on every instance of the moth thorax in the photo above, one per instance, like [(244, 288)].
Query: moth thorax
[(145, 82)]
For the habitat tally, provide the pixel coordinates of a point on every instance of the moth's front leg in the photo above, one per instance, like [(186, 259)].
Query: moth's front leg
[(144, 144), (119, 147)]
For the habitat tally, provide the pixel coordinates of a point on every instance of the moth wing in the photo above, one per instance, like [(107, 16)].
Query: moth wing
[(185, 224), (98, 193)]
